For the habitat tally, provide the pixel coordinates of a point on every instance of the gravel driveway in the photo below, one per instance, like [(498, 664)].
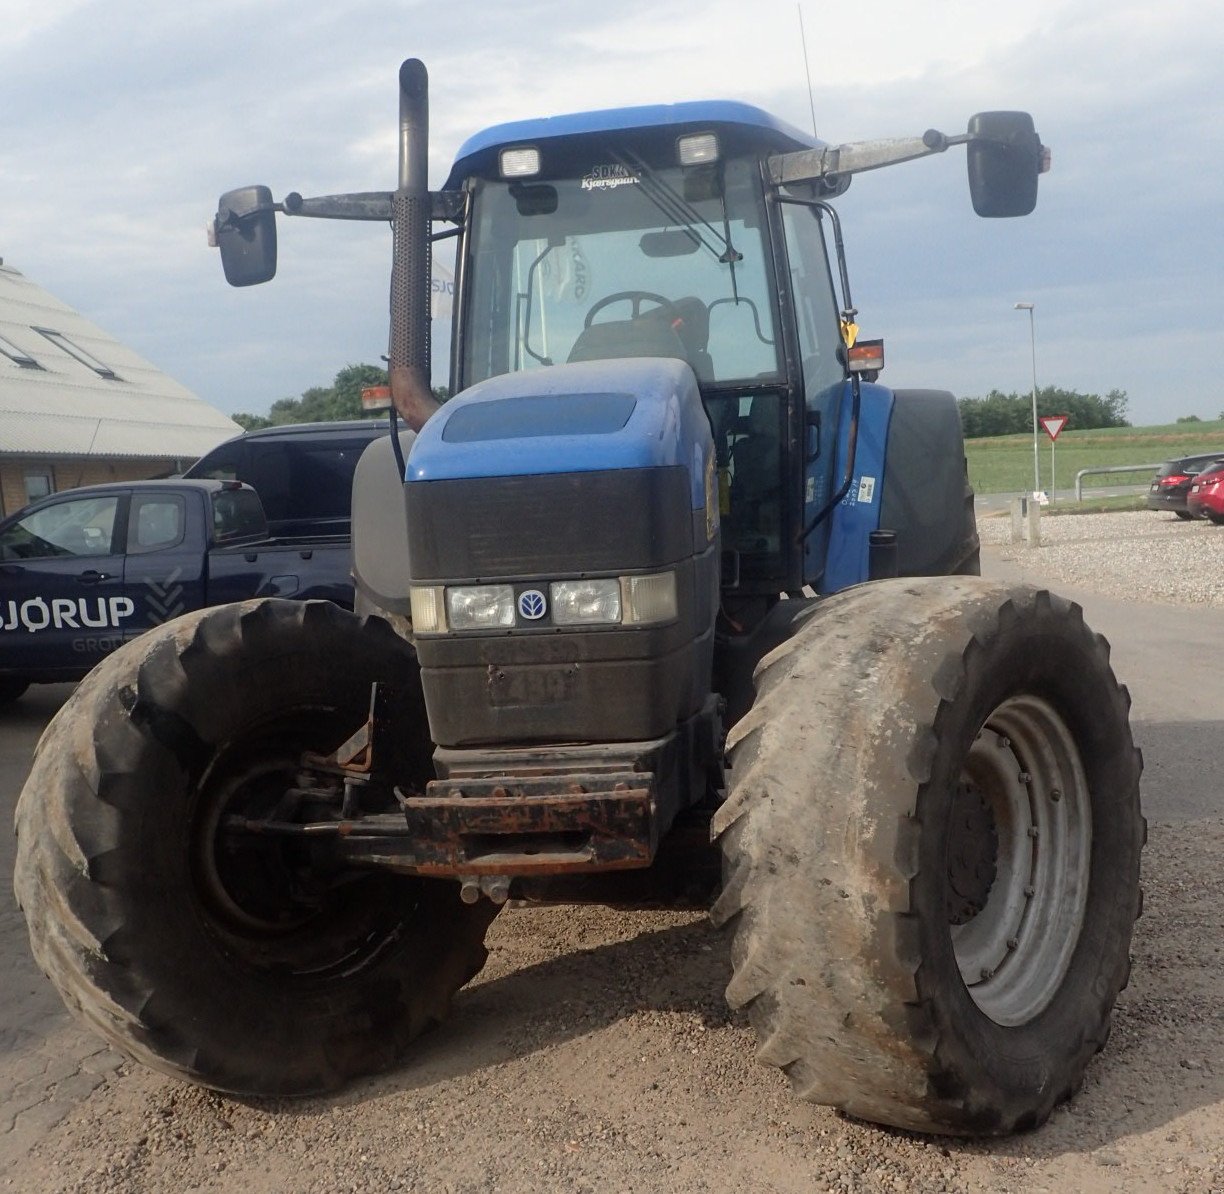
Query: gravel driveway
[(1140, 555)]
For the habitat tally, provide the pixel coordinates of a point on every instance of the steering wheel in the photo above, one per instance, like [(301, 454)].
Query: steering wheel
[(635, 297)]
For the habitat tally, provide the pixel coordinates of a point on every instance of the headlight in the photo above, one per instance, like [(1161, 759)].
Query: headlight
[(428, 610), (648, 599), (585, 602), (480, 607)]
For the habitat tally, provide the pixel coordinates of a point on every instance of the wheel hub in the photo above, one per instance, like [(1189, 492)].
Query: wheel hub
[(1019, 853)]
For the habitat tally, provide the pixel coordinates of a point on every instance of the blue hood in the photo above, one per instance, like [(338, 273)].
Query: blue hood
[(642, 412)]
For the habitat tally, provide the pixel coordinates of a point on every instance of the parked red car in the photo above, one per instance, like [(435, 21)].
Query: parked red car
[(1206, 496)]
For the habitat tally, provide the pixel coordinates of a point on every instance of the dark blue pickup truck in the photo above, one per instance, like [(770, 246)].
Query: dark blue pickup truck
[(85, 570)]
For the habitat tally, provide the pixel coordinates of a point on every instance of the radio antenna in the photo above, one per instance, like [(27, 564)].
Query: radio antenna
[(807, 70)]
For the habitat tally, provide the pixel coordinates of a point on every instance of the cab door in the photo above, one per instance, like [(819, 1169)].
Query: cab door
[(62, 604)]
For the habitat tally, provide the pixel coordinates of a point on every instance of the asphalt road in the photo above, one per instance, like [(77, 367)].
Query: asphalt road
[(48, 1064), (992, 503), (1168, 657)]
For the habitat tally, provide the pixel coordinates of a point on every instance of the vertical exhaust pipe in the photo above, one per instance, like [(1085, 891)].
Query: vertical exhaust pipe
[(411, 392)]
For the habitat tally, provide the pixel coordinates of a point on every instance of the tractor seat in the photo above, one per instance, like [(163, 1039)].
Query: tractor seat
[(641, 337), (691, 323)]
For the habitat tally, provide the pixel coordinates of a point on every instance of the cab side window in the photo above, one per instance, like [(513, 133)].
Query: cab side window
[(815, 303), (79, 527)]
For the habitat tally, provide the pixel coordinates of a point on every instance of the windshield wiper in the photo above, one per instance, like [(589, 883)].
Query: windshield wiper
[(680, 211)]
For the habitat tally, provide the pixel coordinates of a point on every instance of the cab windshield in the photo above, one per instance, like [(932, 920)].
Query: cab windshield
[(623, 260)]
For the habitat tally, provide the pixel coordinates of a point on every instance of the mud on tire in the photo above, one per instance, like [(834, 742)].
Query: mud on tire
[(229, 966), (931, 854)]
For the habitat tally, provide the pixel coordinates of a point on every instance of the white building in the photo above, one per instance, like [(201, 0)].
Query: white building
[(78, 408)]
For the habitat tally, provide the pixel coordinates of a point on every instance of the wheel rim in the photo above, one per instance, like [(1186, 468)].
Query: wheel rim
[(1019, 853), (259, 902)]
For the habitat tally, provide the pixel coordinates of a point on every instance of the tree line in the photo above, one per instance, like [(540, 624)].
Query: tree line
[(996, 414), (321, 404), (1007, 414)]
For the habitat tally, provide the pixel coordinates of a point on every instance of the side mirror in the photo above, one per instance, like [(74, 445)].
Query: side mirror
[(1005, 157), (245, 232)]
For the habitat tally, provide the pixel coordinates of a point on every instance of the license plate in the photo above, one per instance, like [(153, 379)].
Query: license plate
[(532, 685)]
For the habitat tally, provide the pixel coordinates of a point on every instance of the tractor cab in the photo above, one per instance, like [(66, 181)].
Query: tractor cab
[(648, 232)]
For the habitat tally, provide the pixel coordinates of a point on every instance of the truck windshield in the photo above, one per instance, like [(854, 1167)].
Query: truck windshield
[(623, 261)]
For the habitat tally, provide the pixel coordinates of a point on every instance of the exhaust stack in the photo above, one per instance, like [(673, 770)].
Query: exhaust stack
[(410, 265)]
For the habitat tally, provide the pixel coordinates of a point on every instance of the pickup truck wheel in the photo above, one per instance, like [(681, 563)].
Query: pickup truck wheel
[(226, 958), (11, 688), (931, 854)]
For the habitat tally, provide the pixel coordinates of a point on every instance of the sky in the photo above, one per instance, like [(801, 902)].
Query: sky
[(122, 121)]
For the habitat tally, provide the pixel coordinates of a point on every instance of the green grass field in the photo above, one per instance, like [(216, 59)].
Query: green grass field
[(1004, 464)]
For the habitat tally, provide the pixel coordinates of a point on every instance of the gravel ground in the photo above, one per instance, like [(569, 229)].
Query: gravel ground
[(1140, 555), (596, 1053)]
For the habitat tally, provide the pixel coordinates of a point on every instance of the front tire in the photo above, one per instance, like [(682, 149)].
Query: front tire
[(228, 959), (931, 854)]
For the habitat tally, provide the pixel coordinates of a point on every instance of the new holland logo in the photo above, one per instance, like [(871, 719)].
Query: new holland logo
[(531, 605)]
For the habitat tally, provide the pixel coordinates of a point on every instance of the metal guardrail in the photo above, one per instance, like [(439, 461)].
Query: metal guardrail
[(1118, 468)]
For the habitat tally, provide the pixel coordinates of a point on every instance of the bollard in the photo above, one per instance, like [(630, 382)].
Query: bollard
[(1017, 519), (1026, 521), (1032, 524)]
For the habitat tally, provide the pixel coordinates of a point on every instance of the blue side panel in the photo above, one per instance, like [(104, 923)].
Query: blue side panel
[(585, 417), (820, 479), (858, 514)]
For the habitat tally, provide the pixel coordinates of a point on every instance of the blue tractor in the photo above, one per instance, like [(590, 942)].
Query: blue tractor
[(673, 603)]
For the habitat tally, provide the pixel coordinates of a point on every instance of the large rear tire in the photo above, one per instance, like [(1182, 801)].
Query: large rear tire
[(931, 854), (228, 959)]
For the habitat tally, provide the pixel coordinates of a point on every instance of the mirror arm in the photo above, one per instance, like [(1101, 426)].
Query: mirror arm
[(835, 162), (368, 205)]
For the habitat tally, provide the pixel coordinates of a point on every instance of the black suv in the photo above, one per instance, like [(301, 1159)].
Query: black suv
[(303, 472), (1172, 483)]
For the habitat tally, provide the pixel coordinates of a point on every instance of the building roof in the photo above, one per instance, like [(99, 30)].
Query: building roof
[(69, 389)]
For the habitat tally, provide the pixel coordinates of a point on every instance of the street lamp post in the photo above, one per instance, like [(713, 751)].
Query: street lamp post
[(1033, 346)]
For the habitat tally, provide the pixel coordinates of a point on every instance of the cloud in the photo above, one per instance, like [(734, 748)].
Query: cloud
[(121, 122)]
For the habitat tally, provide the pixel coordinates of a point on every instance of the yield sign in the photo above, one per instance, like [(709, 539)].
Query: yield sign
[(1053, 424)]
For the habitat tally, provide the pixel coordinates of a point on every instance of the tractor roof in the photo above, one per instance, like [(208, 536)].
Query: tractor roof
[(741, 123)]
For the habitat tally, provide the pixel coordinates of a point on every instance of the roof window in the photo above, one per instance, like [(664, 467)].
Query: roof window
[(18, 356), (81, 354)]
